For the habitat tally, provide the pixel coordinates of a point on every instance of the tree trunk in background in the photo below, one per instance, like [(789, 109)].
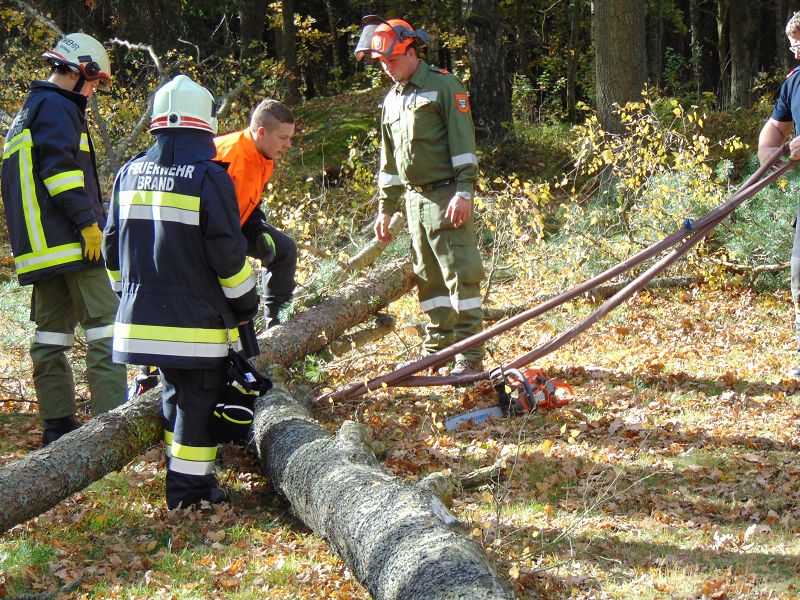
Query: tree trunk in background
[(333, 26), (618, 28), (252, 16), (572, 60), (289, 52), (744, 25), (397, 538), (41, 479), (489, 85), (782, 15), (696, 45), (655, 44), (724, 85)]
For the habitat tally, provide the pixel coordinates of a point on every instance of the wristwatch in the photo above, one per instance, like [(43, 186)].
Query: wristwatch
[(464, 195)]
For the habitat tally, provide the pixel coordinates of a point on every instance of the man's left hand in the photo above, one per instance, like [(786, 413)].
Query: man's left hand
[(458, 211)]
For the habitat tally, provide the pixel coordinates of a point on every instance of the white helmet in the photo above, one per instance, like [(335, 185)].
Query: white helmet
[(183, 103), (82, 53)]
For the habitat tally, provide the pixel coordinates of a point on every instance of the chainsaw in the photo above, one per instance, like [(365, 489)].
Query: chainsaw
[(519, 392)]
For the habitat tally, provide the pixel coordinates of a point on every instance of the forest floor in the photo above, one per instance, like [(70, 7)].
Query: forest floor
[(674, 472)]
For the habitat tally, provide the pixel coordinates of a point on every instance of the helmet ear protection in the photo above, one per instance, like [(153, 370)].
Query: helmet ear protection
[(90, 67)]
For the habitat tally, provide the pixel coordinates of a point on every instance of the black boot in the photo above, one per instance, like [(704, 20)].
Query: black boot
[(55, 428)]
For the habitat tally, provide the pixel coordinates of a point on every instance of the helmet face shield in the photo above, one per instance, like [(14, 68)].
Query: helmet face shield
[(381, 38), (364, 45)]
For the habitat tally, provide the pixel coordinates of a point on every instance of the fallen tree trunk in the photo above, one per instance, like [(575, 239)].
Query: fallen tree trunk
[(398, 539), (38, 481)]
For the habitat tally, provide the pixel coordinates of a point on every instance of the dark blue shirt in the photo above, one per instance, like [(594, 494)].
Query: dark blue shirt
[(787, 108)]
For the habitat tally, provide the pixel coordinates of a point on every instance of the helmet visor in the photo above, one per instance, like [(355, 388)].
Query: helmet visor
[(364, 45)]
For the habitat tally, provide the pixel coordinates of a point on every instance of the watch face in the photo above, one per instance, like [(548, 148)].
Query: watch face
[(464, 195)]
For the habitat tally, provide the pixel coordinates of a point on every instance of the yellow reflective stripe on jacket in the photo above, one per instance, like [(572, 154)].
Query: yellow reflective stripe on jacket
[(50, 257), (189, 342), (61, 182), (156, 198), (19, 141), (84, 142), (30, 203), (116, 280), (176, 334), (238, 285), (159, 206), (198, 453)]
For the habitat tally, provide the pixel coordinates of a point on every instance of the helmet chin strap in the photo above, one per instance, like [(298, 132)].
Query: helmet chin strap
[(79, 84)]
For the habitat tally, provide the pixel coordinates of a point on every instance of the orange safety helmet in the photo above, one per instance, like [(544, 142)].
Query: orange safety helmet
[(382, 39)]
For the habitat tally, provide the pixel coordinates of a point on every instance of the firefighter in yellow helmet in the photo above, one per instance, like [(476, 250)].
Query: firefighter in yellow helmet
[(54, 214), (428, 159)]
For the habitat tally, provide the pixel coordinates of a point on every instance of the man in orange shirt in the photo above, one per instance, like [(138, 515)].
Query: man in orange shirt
[(250, 155)]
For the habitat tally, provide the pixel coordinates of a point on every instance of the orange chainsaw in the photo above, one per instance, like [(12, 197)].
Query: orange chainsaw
[(519, 392)]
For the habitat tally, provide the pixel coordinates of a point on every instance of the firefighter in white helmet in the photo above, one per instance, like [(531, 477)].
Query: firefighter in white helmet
[(54, 213), (176, 254)]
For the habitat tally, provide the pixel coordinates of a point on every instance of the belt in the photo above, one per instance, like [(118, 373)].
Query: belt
[(428, 187)]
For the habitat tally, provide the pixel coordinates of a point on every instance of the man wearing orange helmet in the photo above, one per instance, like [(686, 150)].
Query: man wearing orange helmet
[(428, 157), (54, 213)]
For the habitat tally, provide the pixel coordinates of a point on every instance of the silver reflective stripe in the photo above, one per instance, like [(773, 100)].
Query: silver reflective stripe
[(99, 333), (464, 159), (189, 349), (469, 303), (159, 213), (241, 289), (53, 338), (437, 302), (191, 467), (116, 286), (48, 257), (240, 408), (431, 96), (385, 179)]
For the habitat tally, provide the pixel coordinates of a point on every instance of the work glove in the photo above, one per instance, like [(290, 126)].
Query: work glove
[(92, 240), (266, 248)]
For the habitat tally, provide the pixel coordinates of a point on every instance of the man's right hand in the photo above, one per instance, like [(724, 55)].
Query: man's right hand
[(266, 248), (381, 228)]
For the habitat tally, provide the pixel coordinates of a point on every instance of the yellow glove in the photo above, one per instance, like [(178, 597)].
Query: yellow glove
[(92, 240)]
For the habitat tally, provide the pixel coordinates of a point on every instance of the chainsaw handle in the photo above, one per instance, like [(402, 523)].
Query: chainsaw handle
[(526, 385)]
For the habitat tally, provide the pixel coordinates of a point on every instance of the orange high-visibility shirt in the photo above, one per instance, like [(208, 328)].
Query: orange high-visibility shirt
[(249, 169)]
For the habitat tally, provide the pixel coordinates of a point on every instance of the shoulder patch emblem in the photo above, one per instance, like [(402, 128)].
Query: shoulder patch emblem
[(462, 102)]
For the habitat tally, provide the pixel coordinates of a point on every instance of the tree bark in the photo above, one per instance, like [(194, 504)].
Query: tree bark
[(489, 84), (744, 50), (782, 15), (289, 51), (724, 86), (572, 60), (398, 539), (252, 17), (38, 481), (696, 45), (618, 28)]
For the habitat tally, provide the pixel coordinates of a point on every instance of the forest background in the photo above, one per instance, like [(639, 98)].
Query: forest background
[(602, 126)]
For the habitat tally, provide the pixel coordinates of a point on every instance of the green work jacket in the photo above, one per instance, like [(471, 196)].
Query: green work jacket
[(427, 136)]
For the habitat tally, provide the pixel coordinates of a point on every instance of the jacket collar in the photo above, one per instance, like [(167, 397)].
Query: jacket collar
[(251, 153), (178, 147), (79, 99)]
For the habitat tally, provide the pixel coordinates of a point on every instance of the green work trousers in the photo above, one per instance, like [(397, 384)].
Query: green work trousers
[(449, 270), (58, 304)]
